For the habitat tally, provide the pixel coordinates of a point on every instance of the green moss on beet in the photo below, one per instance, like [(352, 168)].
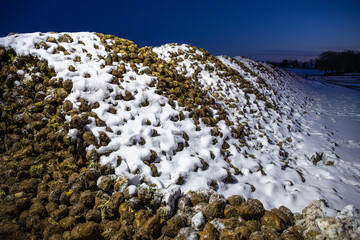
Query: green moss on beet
[(11, 58)]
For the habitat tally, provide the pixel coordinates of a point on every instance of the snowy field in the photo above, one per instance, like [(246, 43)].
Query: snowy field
[(336, 111), (340, 113), (348, 81), (302, 148)]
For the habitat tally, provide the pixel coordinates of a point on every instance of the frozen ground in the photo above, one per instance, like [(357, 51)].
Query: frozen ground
[(338, 109), (348, 81), (302, 148), (340, 112), (335, 110)]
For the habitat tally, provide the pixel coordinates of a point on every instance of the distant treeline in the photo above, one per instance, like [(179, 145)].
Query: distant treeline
[(330, 62)]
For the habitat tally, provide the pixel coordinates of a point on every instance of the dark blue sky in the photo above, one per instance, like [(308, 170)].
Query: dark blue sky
[(260, 29)]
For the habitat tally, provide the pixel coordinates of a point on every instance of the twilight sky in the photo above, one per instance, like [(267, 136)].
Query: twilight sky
[(259, 29)]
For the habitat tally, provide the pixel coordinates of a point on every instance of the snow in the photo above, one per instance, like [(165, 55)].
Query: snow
[(349, 81), (218, 225), (171, 195), (349, 211), (73, 133), (198, 221), (132, 190), (275, 165), (187, 233)]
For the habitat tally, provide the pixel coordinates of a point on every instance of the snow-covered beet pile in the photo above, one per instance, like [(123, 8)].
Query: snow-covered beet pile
[(101, 139)]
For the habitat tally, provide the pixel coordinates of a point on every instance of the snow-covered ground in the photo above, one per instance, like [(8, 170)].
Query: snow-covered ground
[(339, 109), (287, 121), (334, 117), (348, 81)]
